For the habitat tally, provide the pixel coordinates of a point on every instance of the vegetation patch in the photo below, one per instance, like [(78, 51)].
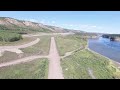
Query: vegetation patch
[(9, 37), (20, 42), (69, 43), (41, 48), (37, 69), (76, 66)]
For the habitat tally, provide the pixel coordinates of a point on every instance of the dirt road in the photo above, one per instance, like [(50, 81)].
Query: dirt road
[(55, 70), (16, 49), (23, 60), (47, 34)]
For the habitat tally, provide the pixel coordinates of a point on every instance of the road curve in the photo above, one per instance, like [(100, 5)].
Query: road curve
[(16, 49)]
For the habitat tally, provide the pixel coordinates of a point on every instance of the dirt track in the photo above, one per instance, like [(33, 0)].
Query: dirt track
[(23, 60), (16, 49), (55, 70)]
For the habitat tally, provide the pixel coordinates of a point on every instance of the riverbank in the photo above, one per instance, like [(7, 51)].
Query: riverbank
[(112, 63), (102, 55), (87, 47), (84, 64), (110, 49)]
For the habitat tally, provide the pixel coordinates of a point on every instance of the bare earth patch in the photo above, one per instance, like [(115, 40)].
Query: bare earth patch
[(91, 73)]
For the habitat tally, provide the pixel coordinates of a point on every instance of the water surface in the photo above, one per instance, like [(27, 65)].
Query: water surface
[(110, 49)]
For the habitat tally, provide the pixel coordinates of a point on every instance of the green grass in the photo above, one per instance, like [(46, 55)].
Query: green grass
[(9, 37), (78, 64), (69, 43), (22, 41), (41, 48), (37, 69)]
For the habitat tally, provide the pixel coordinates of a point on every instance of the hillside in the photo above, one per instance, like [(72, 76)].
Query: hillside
[(11, 24), (20, 25)]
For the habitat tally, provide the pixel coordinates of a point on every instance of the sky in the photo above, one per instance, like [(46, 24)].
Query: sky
[(90, 21)]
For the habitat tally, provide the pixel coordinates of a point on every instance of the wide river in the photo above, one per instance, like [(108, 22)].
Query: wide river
[(110, 49)]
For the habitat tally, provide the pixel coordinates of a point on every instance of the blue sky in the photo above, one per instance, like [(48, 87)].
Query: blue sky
[(90, 21)]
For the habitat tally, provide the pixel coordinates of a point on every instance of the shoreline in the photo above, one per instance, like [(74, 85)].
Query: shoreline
[(100, 54)]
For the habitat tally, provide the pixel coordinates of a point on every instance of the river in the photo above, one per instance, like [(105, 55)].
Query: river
[(104, 46)]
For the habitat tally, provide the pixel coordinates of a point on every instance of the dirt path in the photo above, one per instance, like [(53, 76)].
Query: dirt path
[(45, 34), (23, 60), (16, 49), (55, 70), (71, 52), (91, 73)]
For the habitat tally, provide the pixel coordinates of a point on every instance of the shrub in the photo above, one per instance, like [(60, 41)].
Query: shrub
[(9, 37)]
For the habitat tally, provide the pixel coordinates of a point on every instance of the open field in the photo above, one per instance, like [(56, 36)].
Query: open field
[(41, 48), (69, 43), (37, 69), (77, 66), (81, 64)]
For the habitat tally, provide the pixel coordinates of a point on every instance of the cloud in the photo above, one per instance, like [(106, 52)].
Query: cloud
[(42, 21), (53, 22), (33, 20), (85, 27), (71, 25), (94, 26), (100, 27)]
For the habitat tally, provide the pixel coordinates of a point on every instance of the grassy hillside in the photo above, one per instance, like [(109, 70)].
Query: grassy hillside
[(23, 30), (7, 23), (11, 24)]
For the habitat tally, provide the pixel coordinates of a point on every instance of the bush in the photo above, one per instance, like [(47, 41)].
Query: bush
[(9, 37)]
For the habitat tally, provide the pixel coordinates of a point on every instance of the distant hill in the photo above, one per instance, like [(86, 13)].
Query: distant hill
[(7, 23), (11, 24)]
